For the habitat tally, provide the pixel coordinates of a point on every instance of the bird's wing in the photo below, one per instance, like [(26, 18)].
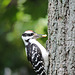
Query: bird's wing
[(37, 60)]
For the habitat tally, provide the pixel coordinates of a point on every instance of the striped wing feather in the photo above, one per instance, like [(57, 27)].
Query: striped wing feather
[(37, 60)]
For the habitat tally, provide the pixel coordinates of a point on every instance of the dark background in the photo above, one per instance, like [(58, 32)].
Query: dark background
[(17, 16)]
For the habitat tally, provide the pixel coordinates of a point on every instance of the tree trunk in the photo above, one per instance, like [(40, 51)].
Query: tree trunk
[(61, 37)]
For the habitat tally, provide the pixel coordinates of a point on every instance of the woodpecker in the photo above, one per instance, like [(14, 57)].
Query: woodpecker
[(36, 53)]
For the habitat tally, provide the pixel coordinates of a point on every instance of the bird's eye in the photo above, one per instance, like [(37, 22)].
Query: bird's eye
[(30, 34), (24, 34)]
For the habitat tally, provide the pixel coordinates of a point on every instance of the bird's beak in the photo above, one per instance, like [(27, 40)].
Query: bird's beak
[(39, 35)]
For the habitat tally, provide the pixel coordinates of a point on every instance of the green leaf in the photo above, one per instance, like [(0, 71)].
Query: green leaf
[(5, 2)]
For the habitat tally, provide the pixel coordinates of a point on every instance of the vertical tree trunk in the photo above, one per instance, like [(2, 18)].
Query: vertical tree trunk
[(61, 37)]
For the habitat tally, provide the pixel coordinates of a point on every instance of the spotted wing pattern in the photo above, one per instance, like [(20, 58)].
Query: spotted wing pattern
[(35, 57)]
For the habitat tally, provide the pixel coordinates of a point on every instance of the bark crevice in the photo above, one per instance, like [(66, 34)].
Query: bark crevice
[(61, 37)]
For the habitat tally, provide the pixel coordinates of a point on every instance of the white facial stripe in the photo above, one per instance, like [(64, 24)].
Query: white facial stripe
[(28, 31), (26, 38)]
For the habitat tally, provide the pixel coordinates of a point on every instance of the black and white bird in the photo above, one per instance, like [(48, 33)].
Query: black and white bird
[(36, 53)]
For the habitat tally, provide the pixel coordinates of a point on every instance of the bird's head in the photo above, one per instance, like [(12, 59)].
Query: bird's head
[(31, 35)]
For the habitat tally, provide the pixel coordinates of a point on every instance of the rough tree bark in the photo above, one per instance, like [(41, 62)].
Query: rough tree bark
[(61, 37)]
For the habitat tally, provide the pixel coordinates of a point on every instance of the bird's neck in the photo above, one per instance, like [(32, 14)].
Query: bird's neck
[(26, 42), (30, 41), (33, 41)]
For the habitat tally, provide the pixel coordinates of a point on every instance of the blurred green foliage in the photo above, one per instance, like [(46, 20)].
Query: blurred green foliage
[(17, 16)]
